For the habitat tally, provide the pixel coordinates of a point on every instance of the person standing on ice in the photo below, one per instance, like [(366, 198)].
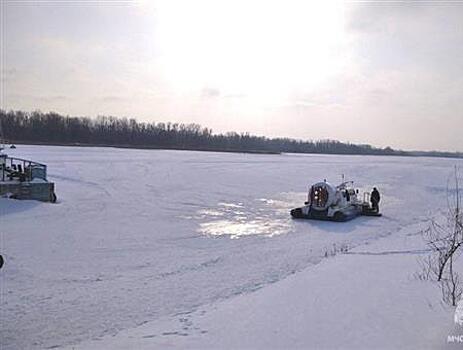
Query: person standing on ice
[(374, 199)]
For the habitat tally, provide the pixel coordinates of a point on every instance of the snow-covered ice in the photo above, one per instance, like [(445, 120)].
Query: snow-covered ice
[(163, 248), (365, 299)]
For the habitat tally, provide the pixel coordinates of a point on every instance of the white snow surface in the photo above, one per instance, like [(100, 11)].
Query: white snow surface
[(155, 249)]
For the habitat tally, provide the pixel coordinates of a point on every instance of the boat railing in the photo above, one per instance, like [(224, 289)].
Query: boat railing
[(12, 168)]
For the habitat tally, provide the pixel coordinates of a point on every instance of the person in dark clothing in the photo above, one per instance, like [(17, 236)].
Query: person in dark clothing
[(347, 196), (374, 199)]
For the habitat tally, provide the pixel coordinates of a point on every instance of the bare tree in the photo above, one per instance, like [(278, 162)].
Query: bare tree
[(445, 241), (450, 285)]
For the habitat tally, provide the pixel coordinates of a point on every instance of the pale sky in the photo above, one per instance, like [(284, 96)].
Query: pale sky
[(384, 73)]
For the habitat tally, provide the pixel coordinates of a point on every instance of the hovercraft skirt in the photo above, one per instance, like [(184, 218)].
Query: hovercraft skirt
[(322, 215)]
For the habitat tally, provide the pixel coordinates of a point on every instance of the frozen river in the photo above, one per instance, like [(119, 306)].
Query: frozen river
[(141, 234)]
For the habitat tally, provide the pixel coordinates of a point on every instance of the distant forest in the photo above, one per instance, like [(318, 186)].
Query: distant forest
[(55, 129)]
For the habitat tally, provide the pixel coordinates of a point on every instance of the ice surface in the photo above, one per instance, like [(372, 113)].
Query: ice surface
[(366, 298), (138, 235)]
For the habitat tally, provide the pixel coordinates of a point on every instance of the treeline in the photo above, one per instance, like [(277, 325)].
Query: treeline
[(53, 128)]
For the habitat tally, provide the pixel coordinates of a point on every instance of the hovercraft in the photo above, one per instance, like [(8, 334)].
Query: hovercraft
[(334, 203)]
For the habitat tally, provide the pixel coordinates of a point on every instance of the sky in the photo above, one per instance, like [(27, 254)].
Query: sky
[(383, 73)]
